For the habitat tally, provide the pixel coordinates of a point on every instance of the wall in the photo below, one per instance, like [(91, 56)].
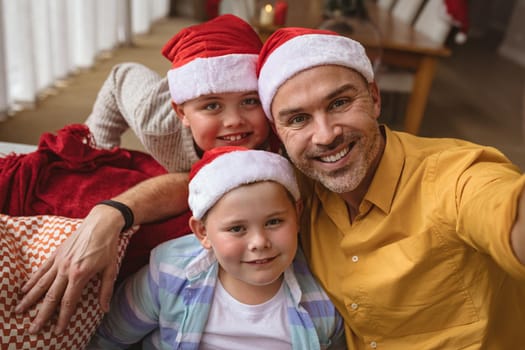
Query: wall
[(489, 15)]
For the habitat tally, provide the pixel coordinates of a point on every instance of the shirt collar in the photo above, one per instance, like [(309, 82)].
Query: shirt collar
[(383, 187), (203, 262)]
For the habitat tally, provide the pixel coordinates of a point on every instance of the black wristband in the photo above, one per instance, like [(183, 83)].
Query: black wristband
[(126, 212)]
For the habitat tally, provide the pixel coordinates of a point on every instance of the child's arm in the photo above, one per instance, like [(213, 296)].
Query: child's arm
[(133, 314), (137, 98), (132, 96)]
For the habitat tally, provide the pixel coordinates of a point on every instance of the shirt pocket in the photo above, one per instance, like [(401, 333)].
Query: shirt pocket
[(411, 286)]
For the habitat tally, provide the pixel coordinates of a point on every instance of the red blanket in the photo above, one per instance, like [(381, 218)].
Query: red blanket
[(66, 176)]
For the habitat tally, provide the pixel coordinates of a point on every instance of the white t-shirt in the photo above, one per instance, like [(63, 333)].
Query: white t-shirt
[(236, 326)]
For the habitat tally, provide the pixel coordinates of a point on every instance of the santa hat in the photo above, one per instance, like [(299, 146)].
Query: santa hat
[(224, 168), (217, 56), (289, 51), (459, 14)]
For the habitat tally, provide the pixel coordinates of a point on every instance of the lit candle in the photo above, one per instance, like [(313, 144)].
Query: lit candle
[(266, 17), (281, 7)]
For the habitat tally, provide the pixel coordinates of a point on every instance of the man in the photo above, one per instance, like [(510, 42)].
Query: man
[(419, 242)]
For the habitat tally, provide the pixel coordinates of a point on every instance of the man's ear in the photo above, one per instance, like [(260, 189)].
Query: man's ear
[(376, 98), (179, 111), (199, 230)]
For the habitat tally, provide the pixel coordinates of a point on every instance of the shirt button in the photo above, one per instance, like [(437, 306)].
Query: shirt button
[(355, 258), (354, 306), (373, 345)]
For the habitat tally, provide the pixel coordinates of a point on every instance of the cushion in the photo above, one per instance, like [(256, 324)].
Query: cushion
[(25, 243)]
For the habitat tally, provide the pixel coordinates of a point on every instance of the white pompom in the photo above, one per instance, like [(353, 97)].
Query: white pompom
[(460, 38)]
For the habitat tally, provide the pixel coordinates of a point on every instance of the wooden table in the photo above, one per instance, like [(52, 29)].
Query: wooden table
[(400, 46)]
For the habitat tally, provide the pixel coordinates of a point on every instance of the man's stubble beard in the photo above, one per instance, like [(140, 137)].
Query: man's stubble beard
[(350, 176)]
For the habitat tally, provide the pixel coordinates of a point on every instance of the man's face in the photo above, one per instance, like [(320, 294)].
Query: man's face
[(326, 118)]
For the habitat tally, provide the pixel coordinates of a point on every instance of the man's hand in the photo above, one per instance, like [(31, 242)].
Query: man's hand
[(92, 249)]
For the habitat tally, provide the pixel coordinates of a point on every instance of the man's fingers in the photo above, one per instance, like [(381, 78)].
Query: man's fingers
[(106, 286), (38, 288), (69, 303), (49, 304), (38, 274)]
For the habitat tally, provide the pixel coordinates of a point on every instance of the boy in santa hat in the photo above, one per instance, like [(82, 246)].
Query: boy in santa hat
[(209, 59), (213, 89), (239, 282)]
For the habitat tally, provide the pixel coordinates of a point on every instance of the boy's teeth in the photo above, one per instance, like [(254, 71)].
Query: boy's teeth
[(233, 138)]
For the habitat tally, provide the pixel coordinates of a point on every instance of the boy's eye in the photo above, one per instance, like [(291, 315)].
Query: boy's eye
[(236, 229), (251, 101), (212, 106), (274, 222)]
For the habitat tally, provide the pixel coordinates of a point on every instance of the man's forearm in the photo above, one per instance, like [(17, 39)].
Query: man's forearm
[(157, 198), (518, 230)]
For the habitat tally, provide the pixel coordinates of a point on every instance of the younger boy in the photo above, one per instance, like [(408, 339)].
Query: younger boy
[(234, 284)]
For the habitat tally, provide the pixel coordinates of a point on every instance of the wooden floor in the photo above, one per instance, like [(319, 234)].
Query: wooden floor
[(477, 95)]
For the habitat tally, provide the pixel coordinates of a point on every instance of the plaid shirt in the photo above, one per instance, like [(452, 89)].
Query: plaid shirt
[(169, 301)]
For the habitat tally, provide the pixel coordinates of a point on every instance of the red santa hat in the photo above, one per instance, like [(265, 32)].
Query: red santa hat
[(289, 51), (222, 169), (217, 56), (458, 10)]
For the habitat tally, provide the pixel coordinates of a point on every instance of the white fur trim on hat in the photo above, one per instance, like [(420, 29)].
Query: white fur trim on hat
[(308, 51), (234, 169), (213, 75)]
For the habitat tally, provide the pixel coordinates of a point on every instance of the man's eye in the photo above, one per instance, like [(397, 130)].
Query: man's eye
[(298, 119), (341, 102)]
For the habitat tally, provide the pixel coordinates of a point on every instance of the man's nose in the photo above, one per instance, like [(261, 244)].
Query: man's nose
[(325, 131)]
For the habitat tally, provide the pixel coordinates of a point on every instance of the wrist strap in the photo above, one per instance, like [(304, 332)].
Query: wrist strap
[(126, 212)]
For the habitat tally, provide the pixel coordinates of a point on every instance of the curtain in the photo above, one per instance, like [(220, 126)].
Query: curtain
[(3, 72), (44, 41)]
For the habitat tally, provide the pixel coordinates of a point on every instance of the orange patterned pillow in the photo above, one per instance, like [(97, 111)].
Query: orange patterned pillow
[(26, 242)]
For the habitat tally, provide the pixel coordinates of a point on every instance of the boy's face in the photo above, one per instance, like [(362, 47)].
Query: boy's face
[(229, 119), (253, 232)]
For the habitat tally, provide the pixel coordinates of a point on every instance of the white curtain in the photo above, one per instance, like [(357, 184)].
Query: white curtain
[(147, 11), (43, 41), (18, 39), (3, 70), (62, 62)]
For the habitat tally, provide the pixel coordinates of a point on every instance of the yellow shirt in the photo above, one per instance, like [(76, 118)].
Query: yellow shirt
[(427, 263)]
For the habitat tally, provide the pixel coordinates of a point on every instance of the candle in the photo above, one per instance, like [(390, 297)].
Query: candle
[(266, 17), (281, 7)]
